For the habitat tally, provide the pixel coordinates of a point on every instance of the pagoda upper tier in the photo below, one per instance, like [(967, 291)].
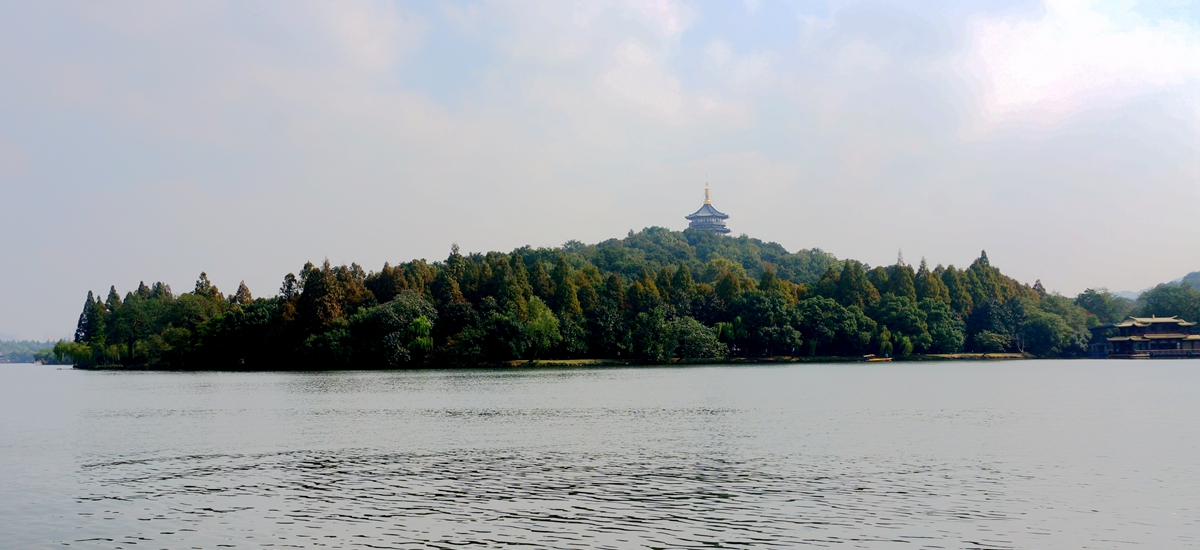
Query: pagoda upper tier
[(708, 218)]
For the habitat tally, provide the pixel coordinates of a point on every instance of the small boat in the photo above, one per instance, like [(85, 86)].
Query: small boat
[(872, 358)]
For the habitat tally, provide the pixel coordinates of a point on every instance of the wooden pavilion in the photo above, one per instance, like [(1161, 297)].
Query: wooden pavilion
[(1146, 337)]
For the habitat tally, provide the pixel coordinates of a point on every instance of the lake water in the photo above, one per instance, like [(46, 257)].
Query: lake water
[(1025, 454)]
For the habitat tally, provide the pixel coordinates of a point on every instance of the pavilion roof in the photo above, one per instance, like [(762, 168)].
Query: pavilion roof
[(1149, 337), (707, 211), (1147, 321)]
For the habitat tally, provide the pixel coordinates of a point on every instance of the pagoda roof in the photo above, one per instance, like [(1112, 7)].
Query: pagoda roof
[(1147, 321), (707, 211)]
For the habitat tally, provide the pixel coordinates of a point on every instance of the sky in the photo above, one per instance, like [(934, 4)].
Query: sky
[(150, 141)]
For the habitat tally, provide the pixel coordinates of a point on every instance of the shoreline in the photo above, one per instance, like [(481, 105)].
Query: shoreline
[(586, 363)]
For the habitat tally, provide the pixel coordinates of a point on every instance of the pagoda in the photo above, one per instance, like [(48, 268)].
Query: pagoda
[(708, 218)]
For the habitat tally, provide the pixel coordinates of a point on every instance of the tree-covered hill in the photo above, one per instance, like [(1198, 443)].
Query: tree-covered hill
[(653, 296), (657, 247), (1191, 279)]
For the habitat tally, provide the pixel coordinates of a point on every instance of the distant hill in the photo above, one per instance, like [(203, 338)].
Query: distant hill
[(22, 351), (1192, 279)]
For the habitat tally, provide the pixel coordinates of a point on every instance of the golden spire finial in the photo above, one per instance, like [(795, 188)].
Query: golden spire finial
[(706, 199)]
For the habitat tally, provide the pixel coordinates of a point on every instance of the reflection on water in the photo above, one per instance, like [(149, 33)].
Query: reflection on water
[(1018, 455)]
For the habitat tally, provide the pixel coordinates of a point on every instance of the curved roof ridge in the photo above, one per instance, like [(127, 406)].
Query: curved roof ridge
[(707, 211)]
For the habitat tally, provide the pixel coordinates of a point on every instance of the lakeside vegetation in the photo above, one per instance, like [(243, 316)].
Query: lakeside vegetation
[(28, 351), (654, 296)]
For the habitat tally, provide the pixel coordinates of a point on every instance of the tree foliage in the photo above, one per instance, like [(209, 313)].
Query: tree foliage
[(654, 296)]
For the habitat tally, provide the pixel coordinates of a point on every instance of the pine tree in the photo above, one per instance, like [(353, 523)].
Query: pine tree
[(589, 299), (205, 288), (643, 294), (663, 282), (242, 296), (729, 287), (929, 286), (769, 282), (614, 290), (113, 303), (901, 278), (445, 289), (520, 275), (321, 302), (291, 287), (513, 291), (827, 286), (540, 282), (162, 292), (681, 280), (97, 324), (960, 294), (853, 288), (880, 280), (567, 299), (562, 275), (84, 329)]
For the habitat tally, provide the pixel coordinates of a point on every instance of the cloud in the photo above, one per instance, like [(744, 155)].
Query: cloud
[(14, 161), (667, 17), (739, 72), (1074, 55), (374, 35), (638, 80)]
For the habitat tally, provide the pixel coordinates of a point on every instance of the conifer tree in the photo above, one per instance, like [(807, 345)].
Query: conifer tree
[(827, 286), (901, 281), (662, 281), (98, 325), (161, 292), (540, 283), (958, 289), (681, 280), (683, 290), (567, 299), (589, 299), (113, 303), (853, 288), (769, 282), (729, 287), (445, 289), (205, 288), (84, 328), (880, 280), (320, 303), (242, 296), (929, 286), (513, 290), (290, 288), (614, 290)]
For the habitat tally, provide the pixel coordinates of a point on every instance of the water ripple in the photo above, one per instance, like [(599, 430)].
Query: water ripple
[(518, 497)]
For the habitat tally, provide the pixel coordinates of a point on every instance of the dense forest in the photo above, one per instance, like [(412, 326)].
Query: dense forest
[(654, 296)]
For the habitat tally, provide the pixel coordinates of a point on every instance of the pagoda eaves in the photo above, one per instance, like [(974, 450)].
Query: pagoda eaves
[(708, 218)]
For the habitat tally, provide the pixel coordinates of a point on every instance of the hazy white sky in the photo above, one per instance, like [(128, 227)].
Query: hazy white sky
[(151, 141)]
